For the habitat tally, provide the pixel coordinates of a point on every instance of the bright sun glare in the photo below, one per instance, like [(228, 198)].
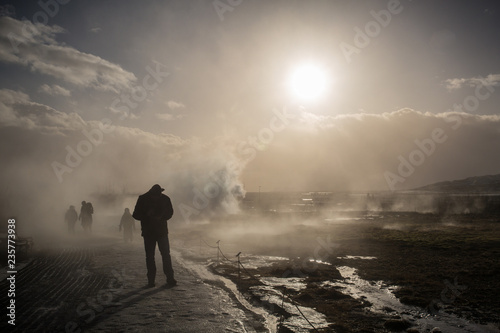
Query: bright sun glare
[(308, 82)]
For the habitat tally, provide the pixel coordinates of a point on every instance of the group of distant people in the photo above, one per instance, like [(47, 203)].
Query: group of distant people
[(153, 209), (71, 217), (127, 222)]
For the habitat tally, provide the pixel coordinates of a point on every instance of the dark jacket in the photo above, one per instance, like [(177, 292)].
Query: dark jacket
[(153, 210), (127, 222), (71, 216)]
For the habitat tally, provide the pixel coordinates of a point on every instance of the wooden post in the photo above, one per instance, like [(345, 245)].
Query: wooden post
[(218, 250), (239, 263)]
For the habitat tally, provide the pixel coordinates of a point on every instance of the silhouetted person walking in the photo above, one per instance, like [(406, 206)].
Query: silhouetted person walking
[(153, 209), (86, 212), (127, 223), (70, 218)]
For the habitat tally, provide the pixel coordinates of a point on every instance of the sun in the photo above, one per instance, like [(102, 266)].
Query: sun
[(308, 82)]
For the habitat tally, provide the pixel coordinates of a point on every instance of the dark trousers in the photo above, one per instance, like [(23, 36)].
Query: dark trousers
[(128, 235), (164, 247), (71, 227)]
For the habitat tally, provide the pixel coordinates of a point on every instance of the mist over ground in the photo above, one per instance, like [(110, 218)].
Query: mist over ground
[(52, 159), (91, 112), (354, 141)]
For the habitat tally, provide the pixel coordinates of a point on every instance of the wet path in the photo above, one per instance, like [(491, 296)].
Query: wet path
[(51, 284), (100, 289)]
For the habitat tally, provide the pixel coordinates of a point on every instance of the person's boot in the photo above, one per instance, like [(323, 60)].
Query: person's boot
[(151, 281), (171, 282)]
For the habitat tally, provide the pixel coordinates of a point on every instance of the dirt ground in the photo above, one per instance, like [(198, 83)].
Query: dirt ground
[(439, 263)]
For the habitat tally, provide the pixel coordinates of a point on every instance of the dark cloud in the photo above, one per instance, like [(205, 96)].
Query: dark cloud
[(34, 46), (355, 152)]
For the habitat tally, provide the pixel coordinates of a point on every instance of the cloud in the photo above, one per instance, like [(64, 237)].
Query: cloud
[(34, 46), (168, 116), (95, 30), (492, 80), (165, 116), (204, 177), (37, 141), (54, 90), (7, 10), (175, 105), (17, 110), (353, 152)]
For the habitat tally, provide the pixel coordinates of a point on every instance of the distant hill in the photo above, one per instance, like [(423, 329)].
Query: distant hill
[(480, 184)]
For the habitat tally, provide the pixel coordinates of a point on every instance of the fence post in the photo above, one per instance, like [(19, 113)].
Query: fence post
[(239, 263), (218, 251)]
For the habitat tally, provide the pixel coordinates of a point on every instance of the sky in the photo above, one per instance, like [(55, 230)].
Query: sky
[(199, 96)]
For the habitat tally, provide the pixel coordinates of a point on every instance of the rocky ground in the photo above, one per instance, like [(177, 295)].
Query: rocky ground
[(439, 265)]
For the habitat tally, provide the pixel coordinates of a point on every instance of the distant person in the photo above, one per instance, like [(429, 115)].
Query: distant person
[(70, 218), (90, 211), (127, 223), (86, 212), (153, 209)]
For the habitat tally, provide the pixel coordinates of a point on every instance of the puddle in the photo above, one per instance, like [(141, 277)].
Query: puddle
[(378, 293), (296, 322), (338, 220), (203, 273), (321, 262), (381, 296), (255, 262), (271, 292), (357, 257), (293, 283)]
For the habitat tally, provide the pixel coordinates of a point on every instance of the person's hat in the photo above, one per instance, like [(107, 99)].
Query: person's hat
[(157, 188)]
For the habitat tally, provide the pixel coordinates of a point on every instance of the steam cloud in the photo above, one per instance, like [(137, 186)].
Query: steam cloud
[(349, 152), (353, 152)]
